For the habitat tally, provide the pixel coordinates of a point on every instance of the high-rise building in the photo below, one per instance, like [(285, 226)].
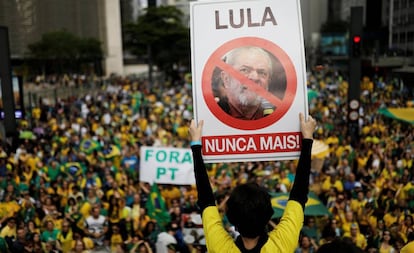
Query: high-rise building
[(389, 23), (27, 20), (400, 19)]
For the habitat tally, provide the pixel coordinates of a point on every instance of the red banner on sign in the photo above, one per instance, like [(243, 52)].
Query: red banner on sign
[(248, 144)]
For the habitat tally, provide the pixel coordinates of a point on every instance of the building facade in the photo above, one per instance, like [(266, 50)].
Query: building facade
[(27, 20), (400, 21)]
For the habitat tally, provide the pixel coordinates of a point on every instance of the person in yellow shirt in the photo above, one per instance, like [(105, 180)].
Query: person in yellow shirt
[(285, 180), (385, 245), (27, 175), (349, 222), (121, 176), (406, 227), (63, 191), (338, 208), (36, 112), (144, 223), (125, 216), (114, 211), (332, 181), (387, 200), (136, 211), (407, 161), (117, 238), (366, 218), (362, 159), (393, 216), (191, 191), (409, 186), (55, 217), (10, 229), (357, 238), (169, 193), (115, 191), (359, 202), (249, 205), (11, 205), (390, 171), (91, 180), (409, 246), (65, 237), (79, 247)]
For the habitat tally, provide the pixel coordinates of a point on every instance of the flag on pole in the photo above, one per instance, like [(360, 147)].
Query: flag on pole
[(156, 207)]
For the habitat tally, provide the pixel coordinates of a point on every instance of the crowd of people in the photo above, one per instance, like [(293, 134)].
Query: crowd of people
[(73, 186)]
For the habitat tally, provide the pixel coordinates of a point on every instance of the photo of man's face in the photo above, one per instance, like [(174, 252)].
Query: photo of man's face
[(255, 64), (237, 98)]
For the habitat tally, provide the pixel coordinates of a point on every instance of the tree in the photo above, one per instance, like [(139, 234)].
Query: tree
[(160, 36), (90, 52), (61, 51)]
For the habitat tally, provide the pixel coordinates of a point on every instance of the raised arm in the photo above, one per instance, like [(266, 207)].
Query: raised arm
[(205, 193), (300, 188)]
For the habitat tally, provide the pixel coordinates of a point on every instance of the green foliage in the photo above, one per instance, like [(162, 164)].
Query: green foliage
[(62, 51), (160, 37)]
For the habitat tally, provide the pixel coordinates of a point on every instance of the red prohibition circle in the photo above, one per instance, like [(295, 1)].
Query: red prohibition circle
[(281, 108)]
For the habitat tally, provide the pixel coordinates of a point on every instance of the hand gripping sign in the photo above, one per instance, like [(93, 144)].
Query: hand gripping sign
[(248, 78)]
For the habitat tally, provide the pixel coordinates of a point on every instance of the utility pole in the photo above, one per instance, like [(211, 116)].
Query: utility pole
[(354, 88), (7, 96)]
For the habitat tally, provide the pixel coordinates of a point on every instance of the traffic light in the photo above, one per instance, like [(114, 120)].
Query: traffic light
[(356, 46)]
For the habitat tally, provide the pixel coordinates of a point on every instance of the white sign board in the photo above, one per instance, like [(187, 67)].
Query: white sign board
[(165, 165), (249, 78)]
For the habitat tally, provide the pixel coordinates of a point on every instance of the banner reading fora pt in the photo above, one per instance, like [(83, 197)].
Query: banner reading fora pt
[(166, 165), (249, 78)]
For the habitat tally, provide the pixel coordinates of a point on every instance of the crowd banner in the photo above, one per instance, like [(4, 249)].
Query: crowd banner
[(166, 165), (249, 78)]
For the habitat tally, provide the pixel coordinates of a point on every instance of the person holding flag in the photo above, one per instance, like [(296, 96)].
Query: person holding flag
[(157, 208), (249, 206)]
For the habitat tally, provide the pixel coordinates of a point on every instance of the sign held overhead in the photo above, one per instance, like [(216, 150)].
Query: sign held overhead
[(249, 78)]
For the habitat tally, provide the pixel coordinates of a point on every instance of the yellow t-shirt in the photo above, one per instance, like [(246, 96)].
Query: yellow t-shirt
[(116, 240), (8, 232), (359, 240), (284, 238), (408, 248), (65, 241), (326, 185)]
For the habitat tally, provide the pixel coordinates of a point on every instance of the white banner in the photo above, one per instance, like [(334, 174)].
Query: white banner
[(165, 165), (249, 78)]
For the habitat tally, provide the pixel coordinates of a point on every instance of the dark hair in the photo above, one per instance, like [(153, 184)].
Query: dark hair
[(410, 236), (249, 209), (339, 245)]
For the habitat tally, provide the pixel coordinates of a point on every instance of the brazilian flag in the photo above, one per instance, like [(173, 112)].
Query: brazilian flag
[(156, 207), (75, 169), (110, 152), (402, 114), (314, 206), (88, 146)]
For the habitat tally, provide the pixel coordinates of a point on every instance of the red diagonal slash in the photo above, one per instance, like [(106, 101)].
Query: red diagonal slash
[(249, 83)]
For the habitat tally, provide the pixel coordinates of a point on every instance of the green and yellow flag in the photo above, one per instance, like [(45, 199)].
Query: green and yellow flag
[(88, 146), (402, 114), (157, 208), (314, 206)]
